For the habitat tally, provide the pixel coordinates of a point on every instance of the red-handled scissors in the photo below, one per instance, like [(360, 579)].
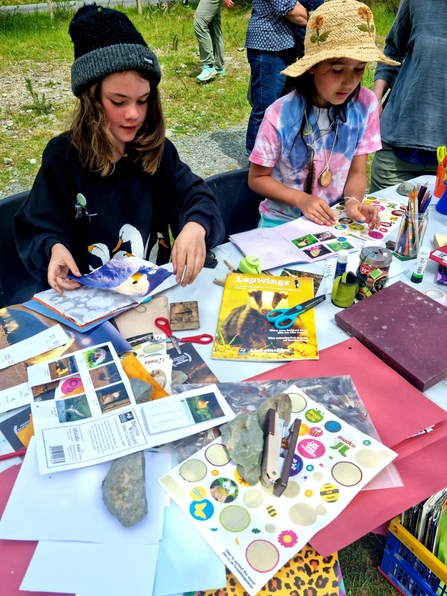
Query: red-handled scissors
[(163, 324)]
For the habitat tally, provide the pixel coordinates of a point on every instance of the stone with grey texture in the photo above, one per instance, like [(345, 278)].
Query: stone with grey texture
[(124, 489), (244, 440), (142, 391)]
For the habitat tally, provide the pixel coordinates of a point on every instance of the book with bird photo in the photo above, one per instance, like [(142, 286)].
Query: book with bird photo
[(245, 333), (120, 284)]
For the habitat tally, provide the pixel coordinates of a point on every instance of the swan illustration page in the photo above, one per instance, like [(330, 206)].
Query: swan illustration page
[(131, 276), (120, 284)]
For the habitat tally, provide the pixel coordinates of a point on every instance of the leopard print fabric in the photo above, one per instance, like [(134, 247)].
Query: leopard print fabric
[(306, 574)]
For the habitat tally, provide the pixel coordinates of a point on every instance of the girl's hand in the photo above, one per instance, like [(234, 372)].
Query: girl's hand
[(188, 253), (60, 264), (363, 212), (317, 210), (229, 3)]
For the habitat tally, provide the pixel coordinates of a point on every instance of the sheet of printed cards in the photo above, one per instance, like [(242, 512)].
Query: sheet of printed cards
[(84, 411), (254, 532)]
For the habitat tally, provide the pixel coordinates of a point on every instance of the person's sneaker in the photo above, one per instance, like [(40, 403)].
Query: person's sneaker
[(207, 73), (220, 71)]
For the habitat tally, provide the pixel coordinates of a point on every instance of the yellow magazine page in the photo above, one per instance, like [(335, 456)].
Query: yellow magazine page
[(243, 332)]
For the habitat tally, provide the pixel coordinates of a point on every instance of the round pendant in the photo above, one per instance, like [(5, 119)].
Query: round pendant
[(325, 177), (307, 130)]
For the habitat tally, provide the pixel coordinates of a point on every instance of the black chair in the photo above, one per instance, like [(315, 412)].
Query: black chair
[(16, 284), (238, 204)]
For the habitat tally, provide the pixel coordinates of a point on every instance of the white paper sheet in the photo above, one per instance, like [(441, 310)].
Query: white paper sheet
[(33, 346), (15, 397), (186, 563), (96, 569), (68, 506)]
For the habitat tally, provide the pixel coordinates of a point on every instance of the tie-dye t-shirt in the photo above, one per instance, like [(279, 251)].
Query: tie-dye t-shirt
[(279, 145)]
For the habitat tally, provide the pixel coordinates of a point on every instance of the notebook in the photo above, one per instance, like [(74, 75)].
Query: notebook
[(404, 328)]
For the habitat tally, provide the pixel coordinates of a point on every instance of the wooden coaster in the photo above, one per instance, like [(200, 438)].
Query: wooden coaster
[(184, 315)]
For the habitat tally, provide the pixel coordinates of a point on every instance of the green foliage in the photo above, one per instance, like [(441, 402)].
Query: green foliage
[(41, 105)]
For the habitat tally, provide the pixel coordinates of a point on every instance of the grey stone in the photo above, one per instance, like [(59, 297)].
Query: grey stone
[(178, 377), (141, 390), (124, 489), (281, 403), (405, 188), (244, 440)]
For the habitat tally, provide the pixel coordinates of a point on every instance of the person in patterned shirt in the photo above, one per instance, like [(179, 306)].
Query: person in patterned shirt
[(312, 146)]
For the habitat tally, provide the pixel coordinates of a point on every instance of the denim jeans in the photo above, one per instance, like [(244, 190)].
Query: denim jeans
[(267, 84)]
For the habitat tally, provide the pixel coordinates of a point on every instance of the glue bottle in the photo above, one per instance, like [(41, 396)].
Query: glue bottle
[(421, 263), (342, 262)]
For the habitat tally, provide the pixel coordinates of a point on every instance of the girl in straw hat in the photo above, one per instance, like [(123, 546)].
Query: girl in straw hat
[(312, 146)]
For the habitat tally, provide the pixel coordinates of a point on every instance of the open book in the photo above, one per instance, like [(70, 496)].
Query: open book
[(120, 284)]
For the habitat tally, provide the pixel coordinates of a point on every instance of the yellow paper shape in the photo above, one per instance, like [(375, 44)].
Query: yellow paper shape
[(135, 370)]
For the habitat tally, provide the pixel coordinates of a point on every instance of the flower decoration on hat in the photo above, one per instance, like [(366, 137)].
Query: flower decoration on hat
[(317, 23), (365, 13)]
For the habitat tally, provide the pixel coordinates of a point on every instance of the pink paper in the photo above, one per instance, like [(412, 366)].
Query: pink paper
[(15, 556), (398, 410)]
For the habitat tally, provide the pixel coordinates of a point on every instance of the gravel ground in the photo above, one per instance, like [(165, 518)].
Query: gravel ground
[(207, 153)]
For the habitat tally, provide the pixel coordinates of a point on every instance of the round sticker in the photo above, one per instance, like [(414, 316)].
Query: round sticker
[(224, 490), (313, 415), (332, 426), (297, 465), (375, 234), (71, 385), (201, 510), (198, 493), (311, 449), (315, 431), (329, 493)]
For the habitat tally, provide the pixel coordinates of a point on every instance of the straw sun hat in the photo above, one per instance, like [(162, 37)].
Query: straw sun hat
[(339, 29)]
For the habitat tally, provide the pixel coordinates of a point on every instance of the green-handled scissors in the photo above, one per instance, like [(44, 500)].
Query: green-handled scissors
[(283, 318), (441, 152)]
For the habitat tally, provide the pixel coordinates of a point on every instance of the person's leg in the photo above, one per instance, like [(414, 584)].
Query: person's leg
[(388, 170), (204, 15), (215, 28), (267, 84)]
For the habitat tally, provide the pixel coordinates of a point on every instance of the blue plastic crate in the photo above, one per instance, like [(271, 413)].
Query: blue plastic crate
[(410, 567)]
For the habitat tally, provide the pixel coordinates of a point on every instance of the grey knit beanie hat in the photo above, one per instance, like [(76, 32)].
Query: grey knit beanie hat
[(106, 41)]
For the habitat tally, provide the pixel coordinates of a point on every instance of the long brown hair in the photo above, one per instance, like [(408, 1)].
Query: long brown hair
[(91, 136)]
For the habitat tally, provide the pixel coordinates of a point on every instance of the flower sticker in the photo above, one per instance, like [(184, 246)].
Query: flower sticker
[(288, 538), (317, 23), (366, 14)]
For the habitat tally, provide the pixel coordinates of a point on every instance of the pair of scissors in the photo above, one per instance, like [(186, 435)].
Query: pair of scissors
[(283, 318), (441, 153), (163, 324)]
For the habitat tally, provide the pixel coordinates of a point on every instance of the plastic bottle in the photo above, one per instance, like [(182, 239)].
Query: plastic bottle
[(342, 261), (421, 263)]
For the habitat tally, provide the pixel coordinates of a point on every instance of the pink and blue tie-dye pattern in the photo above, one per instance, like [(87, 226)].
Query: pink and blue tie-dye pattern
[(279, 145)]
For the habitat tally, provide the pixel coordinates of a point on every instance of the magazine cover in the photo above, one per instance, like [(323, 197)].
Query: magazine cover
[(243, 332)]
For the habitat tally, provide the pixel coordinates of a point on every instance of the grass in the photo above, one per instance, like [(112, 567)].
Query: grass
[(189, 107), (33, 43)]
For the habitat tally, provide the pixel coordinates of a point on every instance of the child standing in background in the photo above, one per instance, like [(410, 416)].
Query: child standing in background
[(113, 183), (312, 146)]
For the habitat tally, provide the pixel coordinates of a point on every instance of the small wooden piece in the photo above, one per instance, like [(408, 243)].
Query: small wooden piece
[(184, 315)]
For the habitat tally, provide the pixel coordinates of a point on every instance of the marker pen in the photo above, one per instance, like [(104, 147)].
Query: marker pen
[(421, 263)]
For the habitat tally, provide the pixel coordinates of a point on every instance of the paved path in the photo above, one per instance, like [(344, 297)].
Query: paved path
[(43, 6)]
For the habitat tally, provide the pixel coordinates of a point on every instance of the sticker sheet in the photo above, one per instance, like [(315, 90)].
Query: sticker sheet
[(256, 533), (390, 213)]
